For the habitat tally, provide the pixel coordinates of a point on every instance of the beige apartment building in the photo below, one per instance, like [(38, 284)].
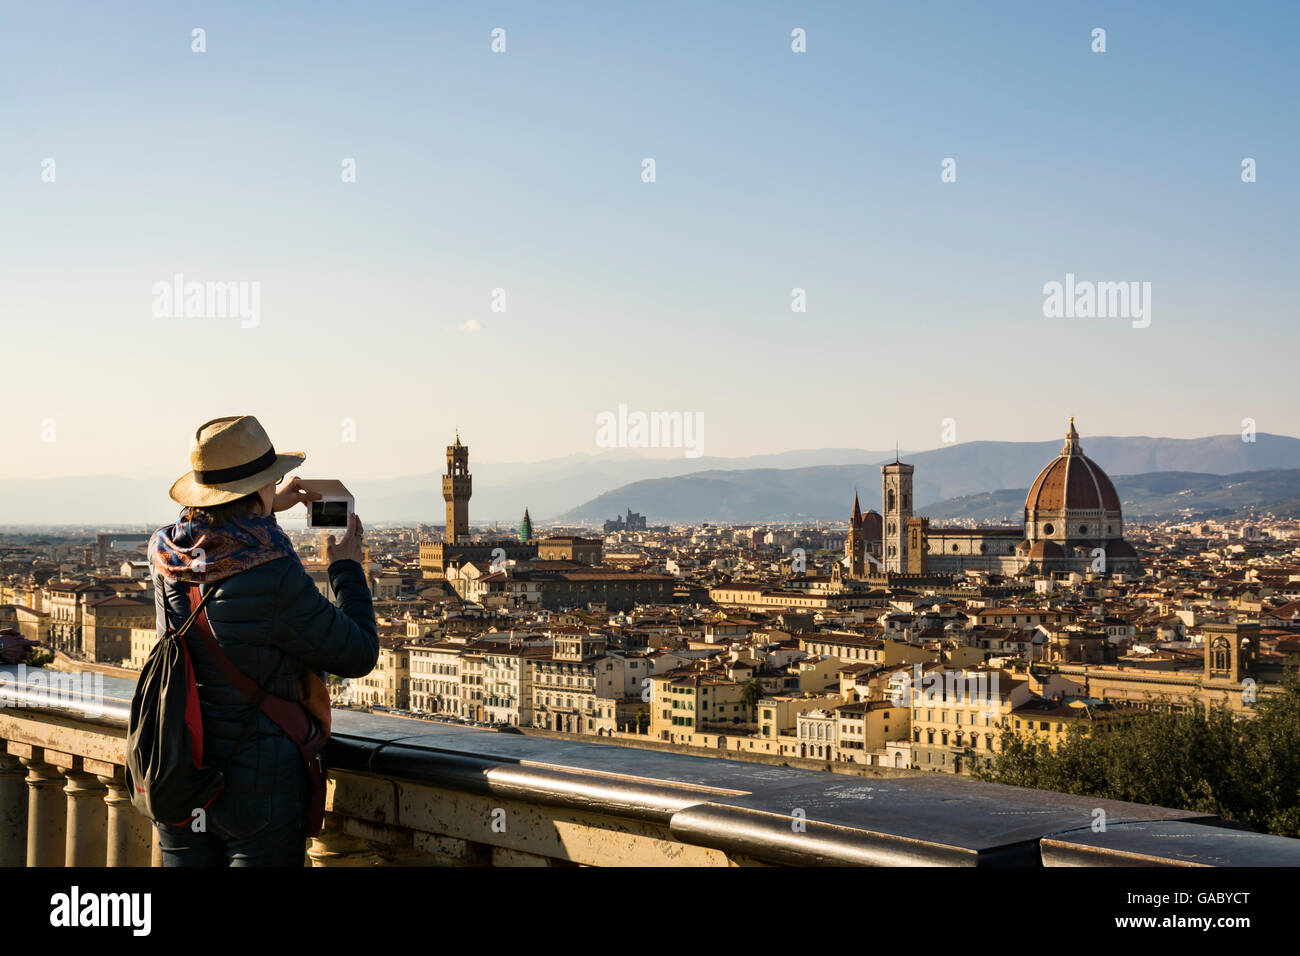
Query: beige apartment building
[(107, 624), (1231, 675), (508, 684), (759, 597), (565, 692), (435, 678), (508, 587), (686, 703), (143, 640), (389, 684), (863, 728), (779, 713), (471, 680), (64, 602), (818, 674), (1053, 720), (959, 719), (857, 648), (582, 688), (27, 621)]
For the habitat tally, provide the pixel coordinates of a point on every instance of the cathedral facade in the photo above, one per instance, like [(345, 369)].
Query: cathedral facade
[(1072, 522)]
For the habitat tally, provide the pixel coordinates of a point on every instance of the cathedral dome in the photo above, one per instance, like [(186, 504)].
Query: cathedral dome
[(1072, 482)]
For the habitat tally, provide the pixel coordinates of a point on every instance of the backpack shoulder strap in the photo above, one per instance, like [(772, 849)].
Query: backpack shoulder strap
[(289, 716)]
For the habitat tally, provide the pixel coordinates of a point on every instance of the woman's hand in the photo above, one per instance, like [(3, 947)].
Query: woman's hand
[(291, 494), (350, 546)]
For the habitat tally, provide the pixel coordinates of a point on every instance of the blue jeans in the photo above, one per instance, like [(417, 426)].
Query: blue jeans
[(241, 829)]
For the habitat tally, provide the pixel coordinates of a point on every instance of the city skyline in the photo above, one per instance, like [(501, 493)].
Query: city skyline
[(663, 436), (776, 171)]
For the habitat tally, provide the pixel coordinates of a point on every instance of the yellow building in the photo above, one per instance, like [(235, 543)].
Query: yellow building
[(863, 727), (107, 624), (1229, 675), (582, 550), (389, 684), (851, 648), (777, 715), (818, 674), (958, 720), (142, 641), (1052, 720), (684, 703)]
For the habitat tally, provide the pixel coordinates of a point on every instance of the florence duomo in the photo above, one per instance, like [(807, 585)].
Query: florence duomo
[(1072, 522)]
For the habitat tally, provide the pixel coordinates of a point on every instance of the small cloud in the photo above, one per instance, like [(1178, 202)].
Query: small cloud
[(469, 325)]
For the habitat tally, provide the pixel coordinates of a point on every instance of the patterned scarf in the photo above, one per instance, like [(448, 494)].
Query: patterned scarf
[(193, 551)]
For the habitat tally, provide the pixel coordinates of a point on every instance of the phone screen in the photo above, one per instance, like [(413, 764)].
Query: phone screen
[(329, 514)]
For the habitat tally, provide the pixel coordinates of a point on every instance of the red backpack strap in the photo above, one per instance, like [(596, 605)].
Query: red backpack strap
[(288, 715)]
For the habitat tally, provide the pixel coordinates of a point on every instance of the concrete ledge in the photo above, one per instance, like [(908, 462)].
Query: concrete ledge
[(1169, 843), (427, 789)]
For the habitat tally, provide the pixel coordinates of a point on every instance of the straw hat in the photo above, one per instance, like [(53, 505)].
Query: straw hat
[(231, 457)]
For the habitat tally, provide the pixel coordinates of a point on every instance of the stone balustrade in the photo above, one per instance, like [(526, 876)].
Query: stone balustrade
[(412, 792)]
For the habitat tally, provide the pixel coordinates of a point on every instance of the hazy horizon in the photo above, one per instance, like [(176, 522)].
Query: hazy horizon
[(625, 454)]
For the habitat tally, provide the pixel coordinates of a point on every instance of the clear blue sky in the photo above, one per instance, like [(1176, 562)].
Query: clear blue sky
[(522, 170)]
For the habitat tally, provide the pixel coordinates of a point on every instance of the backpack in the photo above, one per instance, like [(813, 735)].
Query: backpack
[(165, 774)]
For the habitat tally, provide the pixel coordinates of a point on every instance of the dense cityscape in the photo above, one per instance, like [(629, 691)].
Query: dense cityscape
[(794, 643)]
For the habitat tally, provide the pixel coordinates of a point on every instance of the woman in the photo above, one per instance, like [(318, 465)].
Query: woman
[(272, 623)]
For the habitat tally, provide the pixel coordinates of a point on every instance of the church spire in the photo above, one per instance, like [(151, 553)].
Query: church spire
[(857, 510)]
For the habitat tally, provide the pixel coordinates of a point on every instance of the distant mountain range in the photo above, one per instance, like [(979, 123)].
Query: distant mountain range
[(501, 490), (1161, 494), (943, 474), (818, 483)]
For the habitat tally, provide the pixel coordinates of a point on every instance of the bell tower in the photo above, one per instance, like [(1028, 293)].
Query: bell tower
[(896, 495), (854, 547), (456, 489), (1231, 650)]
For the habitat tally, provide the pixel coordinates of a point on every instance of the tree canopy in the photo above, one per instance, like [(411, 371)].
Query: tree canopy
[(1244, 768)]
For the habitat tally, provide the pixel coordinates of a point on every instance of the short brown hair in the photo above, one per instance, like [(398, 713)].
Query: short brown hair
[(220, 514)]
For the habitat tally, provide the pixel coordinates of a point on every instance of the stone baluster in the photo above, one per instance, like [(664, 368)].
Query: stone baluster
[(86, 833), (46, 807), (13, 812), (333, 847), (128, 830)]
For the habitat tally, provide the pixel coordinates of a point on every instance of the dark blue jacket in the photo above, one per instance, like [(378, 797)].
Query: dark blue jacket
[(274, 625)]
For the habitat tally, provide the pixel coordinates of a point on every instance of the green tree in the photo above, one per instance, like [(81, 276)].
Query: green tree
[(1204, 759)]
